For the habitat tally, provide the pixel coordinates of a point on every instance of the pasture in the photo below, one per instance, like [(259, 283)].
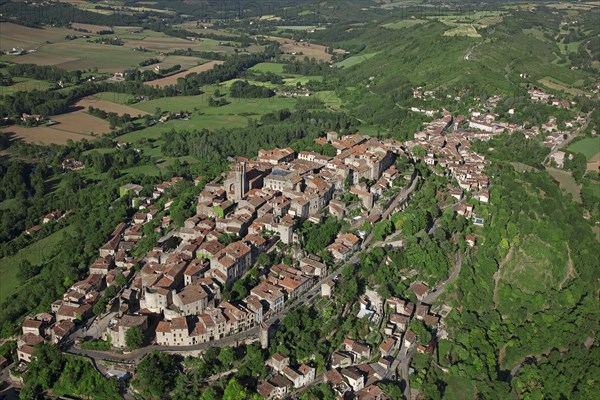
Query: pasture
[(13, 35), (405, 23), (593, 163), (357, 59), (275, 68), (79, 54), (299, 27), (589, 147), (164, 43), (114, 97), (24, 85), (233, 115), (555, 84), (462, 30), (195, 27), (184, 61), (172, 79), (91, 28), (200, 103)]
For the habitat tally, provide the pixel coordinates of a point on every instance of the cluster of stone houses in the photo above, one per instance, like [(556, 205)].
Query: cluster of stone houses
[(259, 202), (453, 152), (538, 95), (54, 326), (355, 380), (286, 378), (77, 302)]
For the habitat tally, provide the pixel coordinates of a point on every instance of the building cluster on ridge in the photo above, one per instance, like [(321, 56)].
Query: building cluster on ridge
[(258, 203)]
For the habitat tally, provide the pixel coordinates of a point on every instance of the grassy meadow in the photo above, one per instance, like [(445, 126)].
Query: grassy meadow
[(36, 253)]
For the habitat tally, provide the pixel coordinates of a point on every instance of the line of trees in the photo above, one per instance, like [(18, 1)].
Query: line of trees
[(43, 73), (243, 89)]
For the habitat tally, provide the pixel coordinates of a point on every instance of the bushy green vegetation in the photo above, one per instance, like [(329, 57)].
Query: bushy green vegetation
[(508, 304), (319, 236), (63, 374), (101, 345), (513, 147)]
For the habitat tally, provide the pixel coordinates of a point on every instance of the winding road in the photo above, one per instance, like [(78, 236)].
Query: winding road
[(437, 292)]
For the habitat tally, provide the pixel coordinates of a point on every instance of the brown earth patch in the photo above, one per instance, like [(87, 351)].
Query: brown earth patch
[(13, 35), (289, 46), (76, 125), (108, 106), (171, 80), (593, 163)]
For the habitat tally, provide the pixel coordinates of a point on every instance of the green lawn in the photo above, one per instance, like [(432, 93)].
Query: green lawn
[(24, 85), (458, 388), (350, 61), (268, 67), (329, 98), (35, 253), (588, 146)]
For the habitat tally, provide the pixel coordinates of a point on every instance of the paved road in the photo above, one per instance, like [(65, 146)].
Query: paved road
[(433, 295), (404, 371)]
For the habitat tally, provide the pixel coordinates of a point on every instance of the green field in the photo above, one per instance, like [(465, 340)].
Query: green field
[(200, 103), (588, 146), (350, 61), (405, 23), (210, 122), (24, 85), (298, 27), (35, 253), (268, 67), (79, 54), (329, 98), (233, 115)]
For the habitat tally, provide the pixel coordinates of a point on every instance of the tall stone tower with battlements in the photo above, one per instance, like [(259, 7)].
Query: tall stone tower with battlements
[(241, 181)]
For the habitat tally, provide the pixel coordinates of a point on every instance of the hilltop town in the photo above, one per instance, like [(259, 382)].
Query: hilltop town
[(374, 200), (178, 295)]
